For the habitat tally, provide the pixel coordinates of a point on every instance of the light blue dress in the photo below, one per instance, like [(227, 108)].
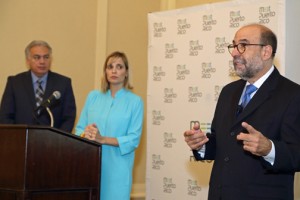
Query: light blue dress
[(120, 117)]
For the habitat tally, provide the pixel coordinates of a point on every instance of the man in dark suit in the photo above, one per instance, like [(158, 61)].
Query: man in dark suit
[(19, 102), (255, 146)]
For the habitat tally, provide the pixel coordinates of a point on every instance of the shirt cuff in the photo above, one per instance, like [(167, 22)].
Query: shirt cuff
[(270, 158), (201, 151)]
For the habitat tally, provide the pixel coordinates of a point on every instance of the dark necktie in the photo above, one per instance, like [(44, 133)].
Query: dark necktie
[(39, 92), (247, 95)]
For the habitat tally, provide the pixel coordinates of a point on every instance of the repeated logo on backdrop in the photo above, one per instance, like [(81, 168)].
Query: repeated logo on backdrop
[(158, 73), (171, 50), (182, 26), (157, 117), (265, 14), (236, 19), (158, 29), (169, 140), (182, 72), (157, 162), (207, 70), (195, 47), (194, 94), (170, 95), (208, 22), (193, 188), (168, 185), (221, 45)]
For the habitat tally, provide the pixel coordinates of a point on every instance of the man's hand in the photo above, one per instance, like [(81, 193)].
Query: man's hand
[(195, 138), (254, 141)]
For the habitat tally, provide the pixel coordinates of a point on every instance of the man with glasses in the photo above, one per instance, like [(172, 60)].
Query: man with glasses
[(255, 132), (25, 92)]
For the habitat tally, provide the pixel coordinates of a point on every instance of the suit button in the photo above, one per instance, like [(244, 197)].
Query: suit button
[(232, 133), (226, 159)]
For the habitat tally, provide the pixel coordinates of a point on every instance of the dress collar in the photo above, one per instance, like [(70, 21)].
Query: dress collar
[(118, 93)]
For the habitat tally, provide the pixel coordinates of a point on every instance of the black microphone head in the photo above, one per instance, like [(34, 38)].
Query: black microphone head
[(48, 102), (56, 95)]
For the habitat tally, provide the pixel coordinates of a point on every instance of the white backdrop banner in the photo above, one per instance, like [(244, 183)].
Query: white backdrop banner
[(188, 64)]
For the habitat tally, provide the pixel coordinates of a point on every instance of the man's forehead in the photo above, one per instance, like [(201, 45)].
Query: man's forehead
[(39, 50), (247, 34)]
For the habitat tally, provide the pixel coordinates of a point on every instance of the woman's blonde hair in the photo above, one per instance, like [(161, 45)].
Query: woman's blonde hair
[(104, 81)]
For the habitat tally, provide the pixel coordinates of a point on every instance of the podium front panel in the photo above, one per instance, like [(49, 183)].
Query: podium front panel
[(65, 161), (42, 163), (12, 158)]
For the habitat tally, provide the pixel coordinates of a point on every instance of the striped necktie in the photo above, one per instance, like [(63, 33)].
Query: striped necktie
[(39, 92)]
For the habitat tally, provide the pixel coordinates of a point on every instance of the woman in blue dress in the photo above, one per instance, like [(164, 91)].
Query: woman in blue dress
[(113, 117)]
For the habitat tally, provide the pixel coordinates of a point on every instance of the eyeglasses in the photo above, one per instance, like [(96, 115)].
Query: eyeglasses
[(241, 47)]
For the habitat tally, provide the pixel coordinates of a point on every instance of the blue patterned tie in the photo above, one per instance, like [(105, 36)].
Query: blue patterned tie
[(39, 92), (247, 96)]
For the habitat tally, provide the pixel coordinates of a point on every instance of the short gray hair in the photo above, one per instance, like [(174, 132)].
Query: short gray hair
[(37, 43)]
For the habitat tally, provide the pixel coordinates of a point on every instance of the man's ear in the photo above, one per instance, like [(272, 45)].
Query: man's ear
[(267, 52)]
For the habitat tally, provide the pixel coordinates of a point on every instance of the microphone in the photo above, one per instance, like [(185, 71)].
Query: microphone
[(45, 105), (48, 102)]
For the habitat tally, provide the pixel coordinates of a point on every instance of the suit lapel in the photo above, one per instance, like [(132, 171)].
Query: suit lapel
[(27, 82), (262, 94), (49, 85), (236, 98)]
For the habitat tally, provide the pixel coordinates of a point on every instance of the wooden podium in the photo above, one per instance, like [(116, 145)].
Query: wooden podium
[(42, 163)]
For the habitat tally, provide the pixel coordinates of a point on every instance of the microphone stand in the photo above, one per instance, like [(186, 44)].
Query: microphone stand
[(51, 116)]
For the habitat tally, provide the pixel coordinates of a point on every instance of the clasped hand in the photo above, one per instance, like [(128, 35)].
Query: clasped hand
[(91, 132)]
